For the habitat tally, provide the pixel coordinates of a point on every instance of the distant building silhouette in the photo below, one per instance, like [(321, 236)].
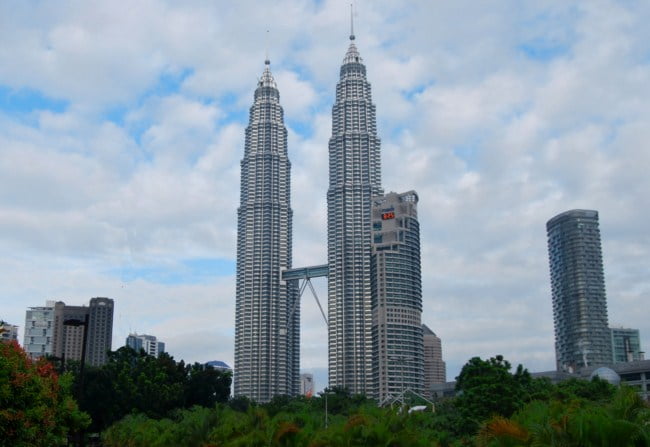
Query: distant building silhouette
[(434, 367), (582, 335), (218, 364), (100, 331), (626, 345), (68, 340), (47, 334), (8, 332), (39, 330), (148, 343), (307, 384)]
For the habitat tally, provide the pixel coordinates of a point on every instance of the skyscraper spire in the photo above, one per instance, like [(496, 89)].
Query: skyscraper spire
[(351, 22)]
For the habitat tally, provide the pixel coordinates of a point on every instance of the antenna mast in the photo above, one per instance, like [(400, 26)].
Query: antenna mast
[(351, 22)]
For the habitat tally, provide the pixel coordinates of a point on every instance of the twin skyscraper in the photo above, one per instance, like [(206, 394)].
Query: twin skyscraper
[(375, 343)]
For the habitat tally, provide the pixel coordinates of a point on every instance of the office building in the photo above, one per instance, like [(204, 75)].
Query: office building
[(626, 345), (8, 332), (354, 179), (307, 384), (46, 331), (100, 330), (68, 340), (434, 367), (147, 343), (582, 335), (396, 285), (39, 331), (267, 345)]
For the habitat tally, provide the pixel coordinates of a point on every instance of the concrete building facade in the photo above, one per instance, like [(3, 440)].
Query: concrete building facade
[(39, 331), (100, 330), (396, 284), (582, 335), (8, 332), (354, 179), (68, 340), (267, 324), (435, 370), (46, 333)]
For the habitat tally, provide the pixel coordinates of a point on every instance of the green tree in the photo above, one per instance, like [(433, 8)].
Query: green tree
[(622, 421), (487, 388), (134, 382), (595, 390), (205, 385), (36, 406)]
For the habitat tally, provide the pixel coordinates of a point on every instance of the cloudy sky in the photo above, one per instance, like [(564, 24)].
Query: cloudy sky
[(122, 128)]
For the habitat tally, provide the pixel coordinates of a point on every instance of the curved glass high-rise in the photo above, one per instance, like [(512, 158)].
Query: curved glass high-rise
[(267, 323), (398, 343), (582, 335), (354, 179)]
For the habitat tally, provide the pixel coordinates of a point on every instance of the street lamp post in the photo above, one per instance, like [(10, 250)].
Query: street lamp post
[(77, 323)]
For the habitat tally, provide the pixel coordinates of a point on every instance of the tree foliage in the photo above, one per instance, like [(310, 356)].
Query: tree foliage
[(622, 421), (507, 409), (487, 388), (36, 406), (133, 382)]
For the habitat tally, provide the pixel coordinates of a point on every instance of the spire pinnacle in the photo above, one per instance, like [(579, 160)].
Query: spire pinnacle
[(267, 61), (351, 22)]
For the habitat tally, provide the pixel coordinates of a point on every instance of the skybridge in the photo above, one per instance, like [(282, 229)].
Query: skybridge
[(305, 274)]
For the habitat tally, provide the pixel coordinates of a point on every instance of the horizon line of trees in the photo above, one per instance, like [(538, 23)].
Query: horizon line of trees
[(140, 400)]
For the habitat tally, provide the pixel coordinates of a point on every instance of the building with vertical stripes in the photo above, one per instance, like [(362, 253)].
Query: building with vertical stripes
[(397, 340), (354, 179), (582, 335), (267, 345)]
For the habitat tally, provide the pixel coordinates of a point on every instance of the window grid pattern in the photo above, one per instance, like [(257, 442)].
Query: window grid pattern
[(354, 179), (267, 341), (397, 337), (582, 336)]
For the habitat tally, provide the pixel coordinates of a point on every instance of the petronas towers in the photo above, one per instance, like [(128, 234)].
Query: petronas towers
[(354, 179), (267, 345), (266, 330)]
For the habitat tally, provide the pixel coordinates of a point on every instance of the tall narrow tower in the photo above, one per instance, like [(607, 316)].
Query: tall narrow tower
[(354, 179), (266, 330), (582, 335)]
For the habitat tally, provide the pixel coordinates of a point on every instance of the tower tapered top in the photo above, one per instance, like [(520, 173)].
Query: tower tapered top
[(267, 78), (352, 56)]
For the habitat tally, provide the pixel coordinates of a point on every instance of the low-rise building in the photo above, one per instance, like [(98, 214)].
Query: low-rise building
[(148, 343), (626, 345), (306, 384), (8, 332)]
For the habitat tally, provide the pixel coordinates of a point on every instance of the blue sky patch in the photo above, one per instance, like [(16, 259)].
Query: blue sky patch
[(25, 100), (302, 128), (410, 94), (543, 50), (188, 271), (469, 153), (169, 83)]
